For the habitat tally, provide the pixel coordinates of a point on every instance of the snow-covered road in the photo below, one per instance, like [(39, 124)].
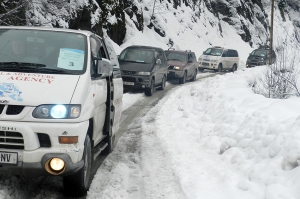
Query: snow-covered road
[(210, 139)]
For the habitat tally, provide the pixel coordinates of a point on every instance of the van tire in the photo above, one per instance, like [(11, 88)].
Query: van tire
[(201, 69), (220, 68), (149, 90), (182, 80), (234, 68), (194, 76), (163, 83), (77, 184)]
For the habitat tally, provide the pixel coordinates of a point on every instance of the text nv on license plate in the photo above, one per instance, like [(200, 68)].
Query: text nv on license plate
[(8, 157)]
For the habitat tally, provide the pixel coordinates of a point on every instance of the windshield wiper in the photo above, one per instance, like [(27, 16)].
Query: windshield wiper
[(21, 64), (59, 71), (133, 61), (175, 59)]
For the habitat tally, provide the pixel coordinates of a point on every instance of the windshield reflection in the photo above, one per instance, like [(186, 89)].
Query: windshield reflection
[(39, 51), (213, 52), (176, 56), (137, 55)]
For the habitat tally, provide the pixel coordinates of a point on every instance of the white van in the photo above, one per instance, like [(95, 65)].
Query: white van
[(218, 59), (60, 103)]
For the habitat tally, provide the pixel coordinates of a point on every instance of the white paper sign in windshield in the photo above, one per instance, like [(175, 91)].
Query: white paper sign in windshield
[(71, 59)]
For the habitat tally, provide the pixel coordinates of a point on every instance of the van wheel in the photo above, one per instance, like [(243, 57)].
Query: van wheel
[(163, 83), (201, 70), (149, 91), (182, 80), (77, 184), (234, 68), (220, 68), (195, 75)]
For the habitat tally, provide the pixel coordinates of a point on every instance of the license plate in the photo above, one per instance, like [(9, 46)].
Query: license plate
[(8, 158), (128, 83)]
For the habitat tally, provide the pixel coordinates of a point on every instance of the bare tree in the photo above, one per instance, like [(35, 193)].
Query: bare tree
[(280, 80), (13, 12)]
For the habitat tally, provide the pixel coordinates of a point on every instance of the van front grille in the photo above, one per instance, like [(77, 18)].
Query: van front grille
[(11, 140), (128, 72), (1, 108), (129, 79)]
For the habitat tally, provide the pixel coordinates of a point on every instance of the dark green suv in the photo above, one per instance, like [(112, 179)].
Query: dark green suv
[(260, 57)]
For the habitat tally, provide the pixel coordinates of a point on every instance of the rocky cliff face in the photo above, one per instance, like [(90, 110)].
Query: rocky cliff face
[(250, 18)]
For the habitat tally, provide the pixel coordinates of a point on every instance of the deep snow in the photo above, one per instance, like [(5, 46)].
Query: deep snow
[(213, 138)]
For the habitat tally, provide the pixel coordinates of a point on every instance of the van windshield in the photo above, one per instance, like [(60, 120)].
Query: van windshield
[(213, 52), (176, 56), (41, 51), (260, 53), (137, 55)]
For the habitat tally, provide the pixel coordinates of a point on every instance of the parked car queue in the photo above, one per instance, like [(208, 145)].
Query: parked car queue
[(147, 67)]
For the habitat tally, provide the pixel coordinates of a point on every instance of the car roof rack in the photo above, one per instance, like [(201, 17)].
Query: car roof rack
[(188, 51), (171, 48), (217, 47)]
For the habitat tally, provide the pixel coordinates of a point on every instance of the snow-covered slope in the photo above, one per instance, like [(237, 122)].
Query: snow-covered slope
[(174, 22)]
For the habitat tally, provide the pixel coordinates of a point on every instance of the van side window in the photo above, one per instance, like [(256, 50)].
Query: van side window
[(95, 47), (103, 48), (225, 54), (161, 56)]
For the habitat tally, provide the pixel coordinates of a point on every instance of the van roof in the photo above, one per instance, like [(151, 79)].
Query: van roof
[(147, 47), (85, 32), (179, 51), (217, 47)]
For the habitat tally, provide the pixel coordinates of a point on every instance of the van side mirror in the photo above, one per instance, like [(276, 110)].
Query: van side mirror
[(158, 61), (190, 61)]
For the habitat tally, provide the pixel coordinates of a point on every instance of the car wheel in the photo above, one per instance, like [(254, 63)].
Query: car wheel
[(200, 69), (182, 80), (163, 83), (234, 68), (77, 184), (149, 90), (219, 68), (195, 75)]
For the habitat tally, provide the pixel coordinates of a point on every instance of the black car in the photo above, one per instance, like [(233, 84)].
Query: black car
[(143, 67), (260, 57), (182, 65)]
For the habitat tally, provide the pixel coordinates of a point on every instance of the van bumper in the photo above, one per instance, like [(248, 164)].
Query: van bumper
[(253, 64), (38, 168), (32, 157), (208, 65), (172, 74), (136, 82)]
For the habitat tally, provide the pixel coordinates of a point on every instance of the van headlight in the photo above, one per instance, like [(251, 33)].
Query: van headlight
[(57, 111), (177, 68), (143, 73)]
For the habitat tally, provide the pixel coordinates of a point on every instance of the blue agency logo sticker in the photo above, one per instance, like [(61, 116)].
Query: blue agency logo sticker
[(10, 90)]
